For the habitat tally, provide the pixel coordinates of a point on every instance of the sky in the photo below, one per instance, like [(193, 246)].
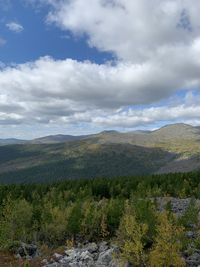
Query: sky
[(84, 66)]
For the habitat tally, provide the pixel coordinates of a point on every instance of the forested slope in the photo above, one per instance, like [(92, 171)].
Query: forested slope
[(174, 148), (120, 210)]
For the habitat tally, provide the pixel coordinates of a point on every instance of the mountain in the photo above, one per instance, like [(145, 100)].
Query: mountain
[(11, 141), (179, 130), (52, 139), (173, 148)]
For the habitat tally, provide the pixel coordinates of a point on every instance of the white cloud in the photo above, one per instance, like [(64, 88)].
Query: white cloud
[(15, 27), (139, 118), (133, 30), (156, 44), (89, 93)]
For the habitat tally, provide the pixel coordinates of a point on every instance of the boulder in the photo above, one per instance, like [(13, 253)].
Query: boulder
[(103, 246), (193, 260), (91, 255), (91, 247), (27, 250), (191, 235), (105, 258)]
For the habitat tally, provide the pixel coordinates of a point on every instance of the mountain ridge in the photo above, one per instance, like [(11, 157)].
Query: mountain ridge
[(174, 148), (174, 129)]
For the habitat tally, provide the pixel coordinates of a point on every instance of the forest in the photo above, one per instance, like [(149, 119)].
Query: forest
[(121, 209)]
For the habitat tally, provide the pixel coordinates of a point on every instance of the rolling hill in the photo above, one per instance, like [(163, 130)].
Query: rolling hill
[(173, 148)]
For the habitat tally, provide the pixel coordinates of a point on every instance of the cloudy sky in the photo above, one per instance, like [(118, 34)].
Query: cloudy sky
[(83, 66)]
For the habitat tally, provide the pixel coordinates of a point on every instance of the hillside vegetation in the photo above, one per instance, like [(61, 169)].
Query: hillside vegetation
[(173, 148), (121, 210)]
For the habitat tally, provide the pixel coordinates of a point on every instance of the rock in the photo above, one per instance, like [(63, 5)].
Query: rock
[(17, 256), (191, 235), (90, 255), (69, 252), (178, 206), (27, 250), (92, 247), (103, 246), (57, 256), (193, 260), (74, 264), (105, 258), (51, 260), (55, 264), (85, 255), (192, 226), (44, 262)]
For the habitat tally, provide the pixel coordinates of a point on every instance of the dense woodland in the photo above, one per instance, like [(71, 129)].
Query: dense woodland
[(74, 160), (122, 210)]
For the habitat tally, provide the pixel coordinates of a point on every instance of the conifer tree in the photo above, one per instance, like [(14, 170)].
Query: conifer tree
[(130, 238), (166, 249)]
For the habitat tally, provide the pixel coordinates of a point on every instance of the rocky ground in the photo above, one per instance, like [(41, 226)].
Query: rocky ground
[(178, 206), (104, 254), (90, 255)]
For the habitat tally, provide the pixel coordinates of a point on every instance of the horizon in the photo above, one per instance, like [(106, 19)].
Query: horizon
[(103, 131), (69, 67)]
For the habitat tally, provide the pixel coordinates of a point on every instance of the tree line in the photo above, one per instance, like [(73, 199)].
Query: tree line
[(122, 210)]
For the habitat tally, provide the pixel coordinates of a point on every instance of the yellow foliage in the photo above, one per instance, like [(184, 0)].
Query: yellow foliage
[(70, 243), (130, 237), (166, 250), (104, 226)]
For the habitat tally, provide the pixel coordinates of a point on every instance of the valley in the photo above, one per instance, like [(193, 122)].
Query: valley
[(173, 148)]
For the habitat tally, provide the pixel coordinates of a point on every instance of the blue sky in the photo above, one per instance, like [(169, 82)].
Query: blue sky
[(77, 67), (40, 39)]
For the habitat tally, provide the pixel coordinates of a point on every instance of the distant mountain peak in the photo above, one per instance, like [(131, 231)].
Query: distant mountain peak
[(169, 131), (109, 132), (174, 125), (177, 130)]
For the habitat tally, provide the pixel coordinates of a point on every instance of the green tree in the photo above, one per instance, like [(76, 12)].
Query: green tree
[(16, 222)]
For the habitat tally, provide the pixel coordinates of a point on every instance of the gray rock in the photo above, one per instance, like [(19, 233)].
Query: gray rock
[(103, 246), (105, 258), (55, 264), (91, 255), (69, 252), (191, 235), (178, 206), (27, 251), (92, 247), (57, 256), (193, 260), (44, 262), (85, 255), (74, 264), (193, 226)]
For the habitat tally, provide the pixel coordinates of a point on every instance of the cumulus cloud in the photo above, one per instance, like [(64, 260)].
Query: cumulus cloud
[(86, 92), (89, 83), (15, 27), (132, 30), (156, 45), (134, 118)]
